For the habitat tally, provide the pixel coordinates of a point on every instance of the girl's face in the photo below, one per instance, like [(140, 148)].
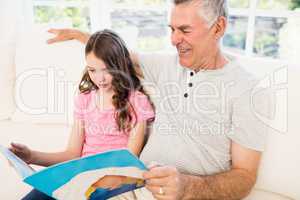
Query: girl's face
[(98, 73)]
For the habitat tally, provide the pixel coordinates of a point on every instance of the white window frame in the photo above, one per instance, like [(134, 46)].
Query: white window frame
[(100, 15), (30, 4), (101, 10), (252, 13)]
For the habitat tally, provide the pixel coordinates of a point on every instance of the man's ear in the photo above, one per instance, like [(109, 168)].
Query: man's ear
[(220, 27)]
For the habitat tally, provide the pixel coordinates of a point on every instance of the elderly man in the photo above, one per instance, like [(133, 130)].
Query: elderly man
[(206, 138)]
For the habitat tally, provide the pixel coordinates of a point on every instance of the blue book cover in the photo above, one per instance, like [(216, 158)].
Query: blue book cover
[(94, 177)]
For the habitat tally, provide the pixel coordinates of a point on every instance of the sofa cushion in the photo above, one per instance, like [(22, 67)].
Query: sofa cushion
[(7, 78), (258, 194), (45, 137), (12, 186), (279, 170), (47, 77)]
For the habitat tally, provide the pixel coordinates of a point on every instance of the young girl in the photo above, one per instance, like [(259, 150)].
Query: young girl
[(111, 111)]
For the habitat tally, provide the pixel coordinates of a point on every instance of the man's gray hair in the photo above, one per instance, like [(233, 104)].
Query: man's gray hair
[(211, 10)]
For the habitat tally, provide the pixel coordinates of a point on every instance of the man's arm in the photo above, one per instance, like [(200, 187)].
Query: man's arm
[(234, 184), (62, 35), (136, 64)]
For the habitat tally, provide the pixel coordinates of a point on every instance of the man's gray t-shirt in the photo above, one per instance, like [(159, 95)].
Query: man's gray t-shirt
[(199, 114)]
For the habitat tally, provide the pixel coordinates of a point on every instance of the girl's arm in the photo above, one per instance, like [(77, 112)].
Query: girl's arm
[(72, 151), (137, 138)]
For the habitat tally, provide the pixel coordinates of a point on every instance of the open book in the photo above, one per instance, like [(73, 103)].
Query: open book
[(98, 176)]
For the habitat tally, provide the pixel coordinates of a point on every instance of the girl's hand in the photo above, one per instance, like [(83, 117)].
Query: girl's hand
[(22, 152)]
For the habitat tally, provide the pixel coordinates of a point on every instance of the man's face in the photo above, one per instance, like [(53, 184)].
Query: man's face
[(191, 35)]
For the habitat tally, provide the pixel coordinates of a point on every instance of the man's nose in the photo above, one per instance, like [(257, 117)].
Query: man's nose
[(176, 38)]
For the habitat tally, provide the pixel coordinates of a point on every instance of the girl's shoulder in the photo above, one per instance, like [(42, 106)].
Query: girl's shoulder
[(137, 98), (82, 99), (135, 94), (142, 106)]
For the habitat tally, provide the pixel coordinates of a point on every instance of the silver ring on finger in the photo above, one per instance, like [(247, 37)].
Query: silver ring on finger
[(161, 191)]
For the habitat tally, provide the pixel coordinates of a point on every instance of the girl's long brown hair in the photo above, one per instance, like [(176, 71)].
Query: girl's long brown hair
[(109, 47)]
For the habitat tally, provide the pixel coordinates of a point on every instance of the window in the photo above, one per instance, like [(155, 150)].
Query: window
[(260, 28), (67, 13), (255, 27), (278, 4), (267, 35), (146, 20), (236, 34)]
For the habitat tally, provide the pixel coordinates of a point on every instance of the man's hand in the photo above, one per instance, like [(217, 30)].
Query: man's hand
[(236, 183), (62, 35), (165, 182)]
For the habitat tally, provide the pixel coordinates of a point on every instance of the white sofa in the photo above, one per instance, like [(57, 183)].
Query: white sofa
[(279, 175)]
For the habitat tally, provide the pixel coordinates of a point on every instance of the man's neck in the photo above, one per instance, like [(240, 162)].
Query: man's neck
[(214, 62)]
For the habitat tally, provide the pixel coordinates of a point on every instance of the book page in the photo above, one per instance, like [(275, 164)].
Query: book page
[(22, 168), (98, 176)]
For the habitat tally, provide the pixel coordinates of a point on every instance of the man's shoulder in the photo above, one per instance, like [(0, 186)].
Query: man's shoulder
[(159, 66), (239, 78), (242, 74), (158, 57)]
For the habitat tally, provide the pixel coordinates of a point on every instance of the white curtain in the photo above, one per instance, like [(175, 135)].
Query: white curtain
[(10, 16), (11, 12)]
